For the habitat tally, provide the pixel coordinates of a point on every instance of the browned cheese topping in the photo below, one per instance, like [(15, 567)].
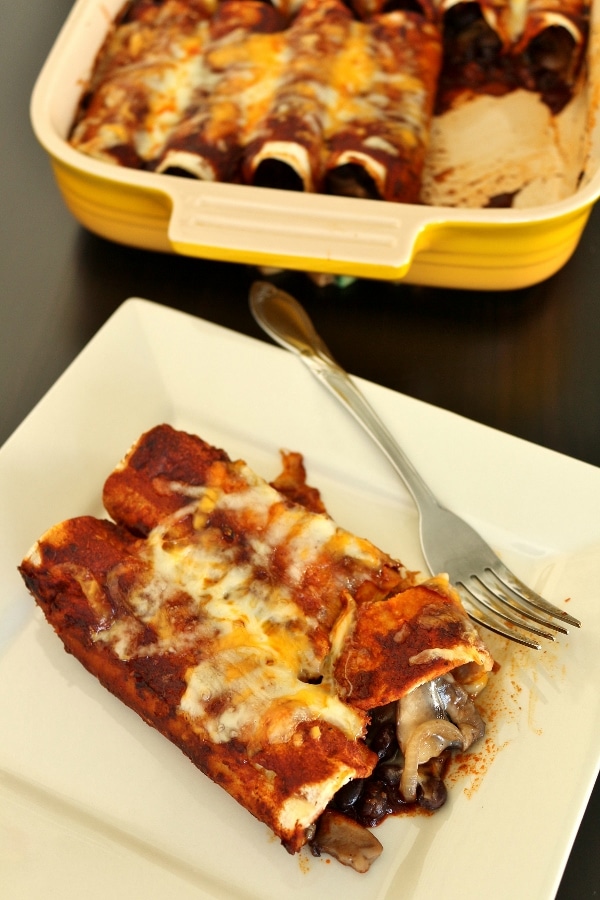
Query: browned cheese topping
[(332, 96)]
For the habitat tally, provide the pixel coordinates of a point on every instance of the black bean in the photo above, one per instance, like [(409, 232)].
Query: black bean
[(382, 740), (433, 794), (348, 795), (374, 804), (389, 774), (382, 714)]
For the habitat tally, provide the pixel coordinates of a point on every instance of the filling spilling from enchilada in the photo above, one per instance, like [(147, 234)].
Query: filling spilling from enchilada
[(333, 96), (297, 665)]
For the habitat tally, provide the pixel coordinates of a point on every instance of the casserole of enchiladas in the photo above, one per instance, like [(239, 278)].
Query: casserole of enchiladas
[(513, 125), (326, 96)]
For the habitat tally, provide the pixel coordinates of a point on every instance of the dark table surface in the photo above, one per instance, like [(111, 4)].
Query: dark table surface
[(526, 362)]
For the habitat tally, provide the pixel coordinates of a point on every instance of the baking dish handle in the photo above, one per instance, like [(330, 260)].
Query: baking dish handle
[(286, 229)]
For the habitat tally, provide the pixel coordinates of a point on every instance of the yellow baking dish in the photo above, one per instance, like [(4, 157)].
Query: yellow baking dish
[(420, 244)]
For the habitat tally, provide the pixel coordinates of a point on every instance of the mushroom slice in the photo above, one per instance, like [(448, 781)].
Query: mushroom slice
[(420, 705), (431, 781), (430, 719), (346, 840), (461, 710), (428, 740)]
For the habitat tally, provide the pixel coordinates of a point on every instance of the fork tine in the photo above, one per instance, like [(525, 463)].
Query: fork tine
[(530, 597), (515, 602), (479, 592), (509, 614), (477, 611)]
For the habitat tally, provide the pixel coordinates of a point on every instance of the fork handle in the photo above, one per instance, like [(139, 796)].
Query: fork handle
[(339, 383), (287, 322)]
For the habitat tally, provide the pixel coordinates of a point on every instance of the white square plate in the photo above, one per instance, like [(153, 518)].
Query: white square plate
[(94, 803)]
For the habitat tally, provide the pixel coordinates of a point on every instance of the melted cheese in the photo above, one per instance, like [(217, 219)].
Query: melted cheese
[(141, 101), (195, 103), (259, 672)]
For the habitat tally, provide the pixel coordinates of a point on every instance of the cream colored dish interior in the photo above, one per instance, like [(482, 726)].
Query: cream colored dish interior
[(526, 151)]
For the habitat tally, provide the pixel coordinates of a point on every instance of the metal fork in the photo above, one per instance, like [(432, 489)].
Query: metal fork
[(492, 595)]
